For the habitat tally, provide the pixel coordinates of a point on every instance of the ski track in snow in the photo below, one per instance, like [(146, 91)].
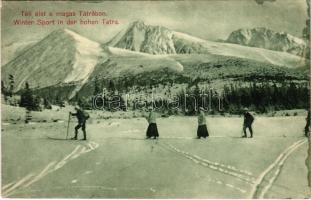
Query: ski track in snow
[(19, 183), (219, 182), (88, 187), (8, 185), (260, 182), (11, 188), (260, 186), (226, 169), (277, 165), (229, 170)]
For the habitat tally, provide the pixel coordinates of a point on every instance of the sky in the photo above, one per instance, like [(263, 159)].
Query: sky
[(210, 19)]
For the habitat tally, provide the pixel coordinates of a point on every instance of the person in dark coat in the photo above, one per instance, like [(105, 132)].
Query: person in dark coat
[(307, 130), (81, 116), (152, 130), (248, 121), (202, 129)]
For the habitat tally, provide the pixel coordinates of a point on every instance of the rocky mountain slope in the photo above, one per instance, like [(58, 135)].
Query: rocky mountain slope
[(143, 38), (11, 50), (268, 39), (61, 57), (159, 40)]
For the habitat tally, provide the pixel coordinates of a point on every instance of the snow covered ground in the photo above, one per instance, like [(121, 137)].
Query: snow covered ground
[(117, 162)]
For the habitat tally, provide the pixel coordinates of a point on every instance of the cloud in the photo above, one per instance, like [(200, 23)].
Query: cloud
[(262, 1)]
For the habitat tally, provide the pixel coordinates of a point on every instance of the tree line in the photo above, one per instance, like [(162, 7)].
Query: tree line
[(231, 98)]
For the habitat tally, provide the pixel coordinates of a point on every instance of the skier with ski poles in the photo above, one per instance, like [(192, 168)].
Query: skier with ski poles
[(152, 130), (82, 116), (202, 129), (248, 121)]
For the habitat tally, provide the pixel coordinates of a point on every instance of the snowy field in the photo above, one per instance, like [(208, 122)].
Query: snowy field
[(117, 162)]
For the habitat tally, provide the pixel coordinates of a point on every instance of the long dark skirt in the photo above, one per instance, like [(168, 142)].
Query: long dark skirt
[(152, 131), (202, 131)]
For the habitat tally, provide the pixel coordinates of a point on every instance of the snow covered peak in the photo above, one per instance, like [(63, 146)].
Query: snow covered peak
[(71, 35), (63, 56), (188, 37), (145, 38), (265, 38), (138, 24)]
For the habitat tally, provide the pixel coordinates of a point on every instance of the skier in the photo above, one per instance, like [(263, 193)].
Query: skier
[(248, 121), (152, 130), (82, 116), (307, 130), (202, 129)]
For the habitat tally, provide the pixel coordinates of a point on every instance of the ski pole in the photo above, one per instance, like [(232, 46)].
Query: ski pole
[(68, 126)]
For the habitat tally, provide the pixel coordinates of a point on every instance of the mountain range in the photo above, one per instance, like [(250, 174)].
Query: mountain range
[(268, 39), (140, 54)]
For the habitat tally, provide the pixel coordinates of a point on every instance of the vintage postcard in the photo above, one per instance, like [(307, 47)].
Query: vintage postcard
[(155, 99)]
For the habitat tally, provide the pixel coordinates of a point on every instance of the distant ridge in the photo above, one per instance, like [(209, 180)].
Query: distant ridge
[(268, 39), (160, 40)]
